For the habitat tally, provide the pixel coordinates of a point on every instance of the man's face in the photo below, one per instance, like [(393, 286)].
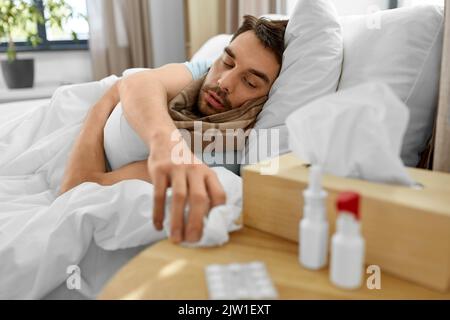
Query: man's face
[(246, 71)]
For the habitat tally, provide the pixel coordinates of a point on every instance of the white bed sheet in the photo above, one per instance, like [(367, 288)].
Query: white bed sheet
[(96, 228), (99, 265), (15, 109)]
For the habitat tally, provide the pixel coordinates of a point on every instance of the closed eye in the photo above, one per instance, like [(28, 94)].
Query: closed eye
[(249, 83), (227, 65)]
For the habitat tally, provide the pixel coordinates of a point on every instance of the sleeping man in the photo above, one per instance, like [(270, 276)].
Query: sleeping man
[(157, 103)]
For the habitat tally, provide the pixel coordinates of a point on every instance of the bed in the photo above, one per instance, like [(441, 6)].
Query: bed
[(12, 109), (98, 265), (127, 234)]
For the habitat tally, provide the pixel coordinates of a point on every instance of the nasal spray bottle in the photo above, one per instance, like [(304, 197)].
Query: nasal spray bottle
[(347, 245), (314, 225)]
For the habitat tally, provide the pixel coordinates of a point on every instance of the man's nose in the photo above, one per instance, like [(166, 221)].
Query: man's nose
[(226, 82)]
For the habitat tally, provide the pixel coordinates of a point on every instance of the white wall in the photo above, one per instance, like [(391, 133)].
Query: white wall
[(58, 67), (168, 34), (204, 26)]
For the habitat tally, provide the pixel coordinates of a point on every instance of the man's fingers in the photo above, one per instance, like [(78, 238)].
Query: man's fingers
[(179, 194), (199, 205), (215, 190), (160, 183), (204, 191)]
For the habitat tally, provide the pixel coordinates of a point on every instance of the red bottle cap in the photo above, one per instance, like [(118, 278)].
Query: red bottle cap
[(349, 202)]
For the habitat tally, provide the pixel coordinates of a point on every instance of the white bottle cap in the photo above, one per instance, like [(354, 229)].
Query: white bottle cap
[(315, 179), (315, 195), (313, 229)]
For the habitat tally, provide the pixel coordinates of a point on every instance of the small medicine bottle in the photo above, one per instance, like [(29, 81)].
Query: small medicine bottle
[(313, 237), (347, 244)]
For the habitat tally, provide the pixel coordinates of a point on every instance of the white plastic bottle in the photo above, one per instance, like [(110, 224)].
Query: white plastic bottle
[(314, 225), (347, 244)]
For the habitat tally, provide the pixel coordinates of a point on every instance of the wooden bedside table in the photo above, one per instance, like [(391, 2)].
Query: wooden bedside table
[(166, 271)]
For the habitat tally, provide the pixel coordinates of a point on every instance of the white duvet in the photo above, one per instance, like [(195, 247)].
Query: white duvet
[(42, 235)]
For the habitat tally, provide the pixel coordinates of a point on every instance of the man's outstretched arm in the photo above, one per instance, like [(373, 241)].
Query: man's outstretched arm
[(144, 98)]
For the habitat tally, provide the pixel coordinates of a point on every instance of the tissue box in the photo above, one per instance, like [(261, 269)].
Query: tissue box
[(407, 231)]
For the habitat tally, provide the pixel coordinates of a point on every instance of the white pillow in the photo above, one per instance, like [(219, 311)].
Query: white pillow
[(405, 53), (311, 68), (213, 48)]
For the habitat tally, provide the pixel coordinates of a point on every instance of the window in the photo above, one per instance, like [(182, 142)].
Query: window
[(54, 38)]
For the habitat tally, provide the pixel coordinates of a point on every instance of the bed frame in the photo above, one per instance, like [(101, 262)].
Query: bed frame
[(440, 153)]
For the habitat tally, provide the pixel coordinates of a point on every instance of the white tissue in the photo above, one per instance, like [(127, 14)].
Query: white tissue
[(215, 227), (221, 220), (355, 133)]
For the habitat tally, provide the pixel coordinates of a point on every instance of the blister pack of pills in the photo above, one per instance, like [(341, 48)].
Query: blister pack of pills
[(237, 281)]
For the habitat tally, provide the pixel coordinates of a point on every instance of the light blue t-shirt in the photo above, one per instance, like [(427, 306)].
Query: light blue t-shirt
[(198, 68), (123, 145)]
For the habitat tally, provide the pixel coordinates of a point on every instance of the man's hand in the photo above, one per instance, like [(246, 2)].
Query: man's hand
[(192, 183)]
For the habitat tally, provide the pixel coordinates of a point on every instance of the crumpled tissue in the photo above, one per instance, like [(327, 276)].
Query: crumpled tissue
[(221, 220), (354, 133), (216, 227)]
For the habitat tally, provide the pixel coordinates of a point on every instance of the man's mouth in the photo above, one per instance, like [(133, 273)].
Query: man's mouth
[(214, 101)]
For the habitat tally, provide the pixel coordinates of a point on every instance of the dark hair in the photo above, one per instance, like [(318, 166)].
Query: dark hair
[(269, 32)]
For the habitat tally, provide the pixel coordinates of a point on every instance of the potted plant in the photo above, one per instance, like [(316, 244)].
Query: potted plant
[(22, 17)]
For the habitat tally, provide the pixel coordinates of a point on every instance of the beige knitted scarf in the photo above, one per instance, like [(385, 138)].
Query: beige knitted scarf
[(183, 110)]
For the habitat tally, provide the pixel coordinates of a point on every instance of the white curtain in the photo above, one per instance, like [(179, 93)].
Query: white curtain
[(441, 161), (236, 9), (120, 36)]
